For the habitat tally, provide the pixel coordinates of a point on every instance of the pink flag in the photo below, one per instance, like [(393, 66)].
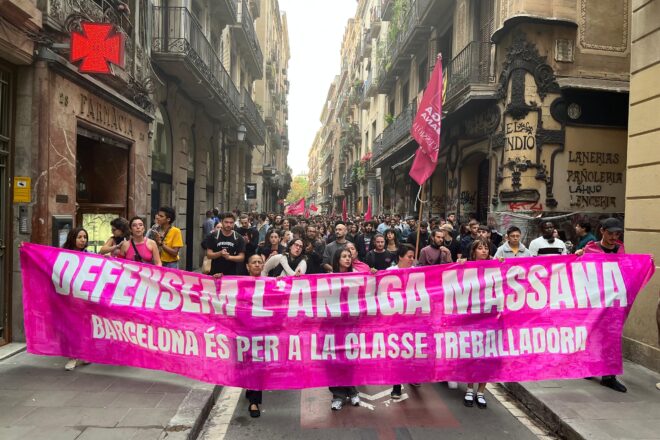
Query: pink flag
[(426, 128), (368, 215), (344, 211), (313, 207), (297, 208)]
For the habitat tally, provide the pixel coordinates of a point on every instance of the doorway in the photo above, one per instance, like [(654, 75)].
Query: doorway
[(6, 124), (482, 190), (101, 184)]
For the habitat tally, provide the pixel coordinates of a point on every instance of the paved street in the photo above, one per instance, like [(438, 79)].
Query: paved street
[(429, 412)]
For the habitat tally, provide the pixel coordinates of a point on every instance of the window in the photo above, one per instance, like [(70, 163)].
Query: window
[(422, 74)]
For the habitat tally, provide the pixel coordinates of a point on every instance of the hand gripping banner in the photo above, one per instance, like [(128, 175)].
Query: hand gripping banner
[(523, 319)]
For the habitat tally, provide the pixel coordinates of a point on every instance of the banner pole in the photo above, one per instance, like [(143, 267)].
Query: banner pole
[(419, 221)]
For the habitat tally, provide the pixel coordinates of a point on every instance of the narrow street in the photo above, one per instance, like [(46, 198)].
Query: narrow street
[(429, 412)]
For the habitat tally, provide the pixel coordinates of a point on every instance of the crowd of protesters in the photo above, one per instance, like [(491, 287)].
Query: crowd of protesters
[(275, 245)]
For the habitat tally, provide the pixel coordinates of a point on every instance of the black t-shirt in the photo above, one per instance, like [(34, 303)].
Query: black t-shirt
[(234, 245), (455, 248), (614, 250), (380, 260)]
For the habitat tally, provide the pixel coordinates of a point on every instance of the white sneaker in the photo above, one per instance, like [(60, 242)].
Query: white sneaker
[(71, 364), (452, 385), (336, 405), (355, 400)]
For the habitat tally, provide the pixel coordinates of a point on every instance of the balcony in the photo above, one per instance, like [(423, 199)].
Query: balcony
[(375, 19), (393, 135), (256, 128), (366, 45), (325, 154), (411, 35), (181, 49), (470, 75), (247, 40), (223, 12)]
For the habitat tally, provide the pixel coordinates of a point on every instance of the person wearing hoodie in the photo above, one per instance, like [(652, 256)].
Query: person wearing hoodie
[(610, 243), (583, 231), (436, 252), (512, 247)]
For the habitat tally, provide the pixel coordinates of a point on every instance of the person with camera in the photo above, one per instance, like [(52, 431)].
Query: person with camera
[(167, 237)]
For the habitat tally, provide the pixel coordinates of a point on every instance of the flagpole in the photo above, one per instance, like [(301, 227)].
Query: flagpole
[(419, 221)]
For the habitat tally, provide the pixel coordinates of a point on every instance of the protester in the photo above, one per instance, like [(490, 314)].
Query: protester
[(255, 265), (209, 224), (611, 230), (225, 248), (358, 265), (391, 241), (342, 262), (263, 226), (250, 235), (379, 258), (479, 251), (406, 256), (364, 240), (451, 243), (485, 233), (583, 231), (467, 239), (76, 240), (436, 252), (292, 262), (512, 247), (331, 248), (272, 246), (314, 250), (120, 233), (167, 237), (547, 244), (424, 236), (139, 248)]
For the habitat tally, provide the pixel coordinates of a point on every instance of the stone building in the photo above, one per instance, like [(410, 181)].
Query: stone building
[(177, 125), (642, 200), (528, 127), (269, 165)]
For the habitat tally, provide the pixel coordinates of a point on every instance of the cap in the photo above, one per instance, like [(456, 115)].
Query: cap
[(612, 224), (447, 227)]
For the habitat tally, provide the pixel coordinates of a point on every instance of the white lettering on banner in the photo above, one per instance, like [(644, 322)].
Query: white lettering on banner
[(477, 344), (294, 348), (463, 290)]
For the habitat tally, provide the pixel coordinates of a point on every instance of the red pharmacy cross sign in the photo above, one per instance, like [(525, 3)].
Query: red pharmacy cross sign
[(97, 46)]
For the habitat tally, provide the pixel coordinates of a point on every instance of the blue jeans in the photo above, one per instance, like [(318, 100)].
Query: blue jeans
[(172, 264)]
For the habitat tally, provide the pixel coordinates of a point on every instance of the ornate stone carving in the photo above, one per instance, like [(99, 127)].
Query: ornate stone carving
[(483, 123), (523, 55)]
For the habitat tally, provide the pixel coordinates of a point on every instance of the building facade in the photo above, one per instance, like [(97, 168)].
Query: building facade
[(179, 124), (642, 341), (269, 165), (527, 127)]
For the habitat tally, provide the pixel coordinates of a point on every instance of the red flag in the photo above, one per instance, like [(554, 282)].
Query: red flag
[(344, 212), (296, 208), (368, 215), (426, 128), (313, 207)]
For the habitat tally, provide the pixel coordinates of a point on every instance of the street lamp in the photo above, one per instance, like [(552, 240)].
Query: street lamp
[(240, 133)]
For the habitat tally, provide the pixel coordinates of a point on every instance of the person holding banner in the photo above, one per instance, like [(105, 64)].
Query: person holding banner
[(342, 262), (76, 240), (120, 233), (255, 267), (479, 251), (358, 266), (225, 248), (406, 254), (140, 248), (291, 263)]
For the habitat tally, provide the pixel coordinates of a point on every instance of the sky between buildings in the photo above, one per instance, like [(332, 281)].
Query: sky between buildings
[(316, 31)]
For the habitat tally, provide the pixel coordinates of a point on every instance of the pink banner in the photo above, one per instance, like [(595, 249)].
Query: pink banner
[(524, 319)]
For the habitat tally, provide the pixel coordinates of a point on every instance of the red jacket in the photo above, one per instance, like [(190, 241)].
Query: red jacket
[(593, 247)]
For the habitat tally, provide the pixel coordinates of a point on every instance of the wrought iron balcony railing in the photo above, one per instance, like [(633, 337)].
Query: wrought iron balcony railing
[(178, 38), (252, 116), (245, 29), (394, 133), (471, 66)]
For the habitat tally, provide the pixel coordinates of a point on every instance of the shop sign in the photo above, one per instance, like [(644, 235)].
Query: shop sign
[(22, 189), (97, 46), (250, 190)]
